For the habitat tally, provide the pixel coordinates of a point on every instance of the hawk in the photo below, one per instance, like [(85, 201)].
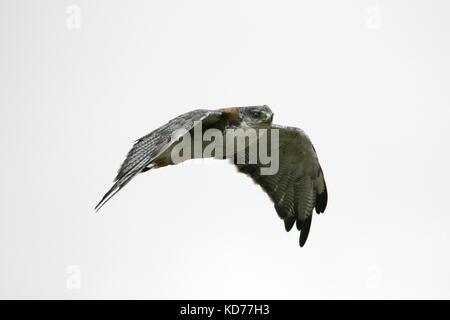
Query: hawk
[(296, 189)]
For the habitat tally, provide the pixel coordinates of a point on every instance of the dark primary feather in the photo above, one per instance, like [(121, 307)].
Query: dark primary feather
[(322, 195), (148, 148), (299, 186)]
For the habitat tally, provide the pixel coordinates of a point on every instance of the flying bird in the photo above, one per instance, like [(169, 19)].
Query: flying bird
[(296, 189)]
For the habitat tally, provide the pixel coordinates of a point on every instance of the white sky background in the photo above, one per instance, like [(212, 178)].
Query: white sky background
[(367, 80)]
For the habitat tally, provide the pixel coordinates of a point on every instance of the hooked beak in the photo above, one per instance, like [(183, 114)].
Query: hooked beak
[(269, 117)]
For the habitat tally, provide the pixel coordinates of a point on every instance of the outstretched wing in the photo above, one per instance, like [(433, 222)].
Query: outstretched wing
[(146, 149), (299, 185)]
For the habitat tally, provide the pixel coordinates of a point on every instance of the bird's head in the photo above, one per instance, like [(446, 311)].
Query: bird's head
[(256, 116)]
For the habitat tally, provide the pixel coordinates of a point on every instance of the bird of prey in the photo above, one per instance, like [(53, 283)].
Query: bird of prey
[(297, 188)]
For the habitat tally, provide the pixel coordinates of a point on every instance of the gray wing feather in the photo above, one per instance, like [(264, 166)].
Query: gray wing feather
[(299, 186), (148, 148)]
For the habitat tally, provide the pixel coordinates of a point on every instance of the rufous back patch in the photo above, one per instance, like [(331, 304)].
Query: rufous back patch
[(233, 113)]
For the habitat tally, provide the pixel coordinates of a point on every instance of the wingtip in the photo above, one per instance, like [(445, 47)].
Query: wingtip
[(322, 198), (99, 205), (289, 222), (321, 202), (111, 192), (305, 231), (302, 239)]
